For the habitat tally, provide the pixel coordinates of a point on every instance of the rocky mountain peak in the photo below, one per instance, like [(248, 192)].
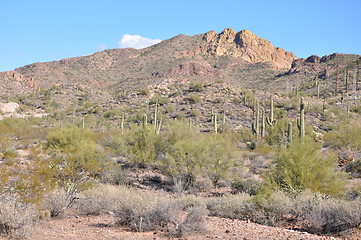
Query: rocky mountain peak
[(247, 46)]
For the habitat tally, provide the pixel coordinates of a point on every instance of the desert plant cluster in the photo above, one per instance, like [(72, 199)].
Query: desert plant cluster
[(163, 158)]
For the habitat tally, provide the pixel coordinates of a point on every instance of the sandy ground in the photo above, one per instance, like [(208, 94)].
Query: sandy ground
[(103, 227)]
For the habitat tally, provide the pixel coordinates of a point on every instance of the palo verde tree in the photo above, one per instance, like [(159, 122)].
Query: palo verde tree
[(76, 158)]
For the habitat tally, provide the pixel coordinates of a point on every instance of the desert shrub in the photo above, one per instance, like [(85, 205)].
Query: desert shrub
[(183, 153), (77, 159), (16, 218), (347, 134), (356, 109), (113, 113), (354, 168), (159, 99), (231, 206), (273, 209), (117, 175), (301, 166), (248, 186), (144, 92), (186, 202), (94, 201), (202, 184), (194, 113), (277, 134), (30, 182), (115, 142), (143, 210), (194, 98), (142, 146), (218, 155), (196, 87), (193, 223), (55, 202), (323, 215)]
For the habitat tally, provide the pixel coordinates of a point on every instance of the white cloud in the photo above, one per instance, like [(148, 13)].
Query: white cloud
[(101, 47), (136, 41)]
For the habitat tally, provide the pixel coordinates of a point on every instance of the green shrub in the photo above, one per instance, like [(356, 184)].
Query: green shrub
[(301, 166), (194, 98), (218, 155), (161, 100), (196, 87), (142, 146), (356, 109), (76, 158), (249, 186), (347, 134), (183, 153), (194, 113), (144, 92)]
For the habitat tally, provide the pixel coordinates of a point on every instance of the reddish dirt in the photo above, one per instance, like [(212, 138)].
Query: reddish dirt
[(103, 228)]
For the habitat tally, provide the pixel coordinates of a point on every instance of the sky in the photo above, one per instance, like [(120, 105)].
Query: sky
[(49, 30)]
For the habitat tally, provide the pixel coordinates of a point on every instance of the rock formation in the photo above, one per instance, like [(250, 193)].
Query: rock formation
[(247, 46)]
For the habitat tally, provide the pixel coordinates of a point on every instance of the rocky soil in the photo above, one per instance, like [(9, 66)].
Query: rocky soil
[(103, 228)]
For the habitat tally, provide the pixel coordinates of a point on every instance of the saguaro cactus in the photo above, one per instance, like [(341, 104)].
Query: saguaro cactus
[(215, 123), (255, 124), (224, 117), (145, 120), (270, 120), (155, 115), (212, 115), (122, 124), (289, 133), (263, 126), (159, 125), (301, 119)]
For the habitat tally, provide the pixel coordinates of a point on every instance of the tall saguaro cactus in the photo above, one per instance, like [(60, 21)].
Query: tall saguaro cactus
[(122, 123), (270, 120), (255, 124), (301, 119), (145, 121), (289, 132), (215, 123), (263, 126), (155, 115)]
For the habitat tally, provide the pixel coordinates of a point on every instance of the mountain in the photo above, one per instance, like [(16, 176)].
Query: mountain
[(239, 59)]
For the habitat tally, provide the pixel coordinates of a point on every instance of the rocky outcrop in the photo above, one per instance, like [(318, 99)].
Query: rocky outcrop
[(13, 84), (247, 46), (313, 59), (8, 107), (15, 76), (194, 68)]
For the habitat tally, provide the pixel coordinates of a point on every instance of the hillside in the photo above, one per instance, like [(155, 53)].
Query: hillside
[(239, 59), (204, 134)]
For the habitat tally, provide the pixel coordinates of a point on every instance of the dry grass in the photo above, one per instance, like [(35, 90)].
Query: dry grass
[(144, 210), (55, 202), (16, 218)]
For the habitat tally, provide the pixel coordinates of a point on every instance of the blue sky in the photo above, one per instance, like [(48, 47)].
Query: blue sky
[(43, 30)]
